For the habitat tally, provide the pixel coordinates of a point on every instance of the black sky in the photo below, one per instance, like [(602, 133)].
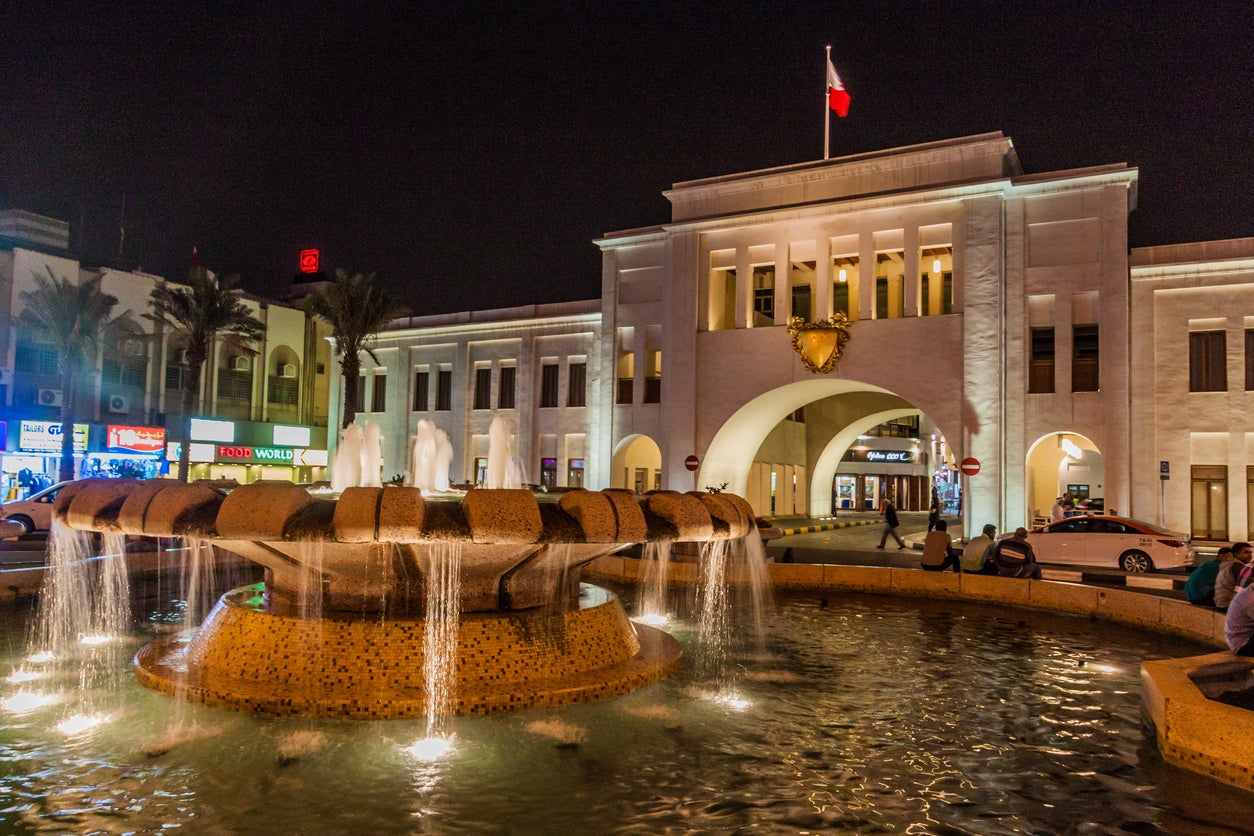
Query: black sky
[(469, 153)]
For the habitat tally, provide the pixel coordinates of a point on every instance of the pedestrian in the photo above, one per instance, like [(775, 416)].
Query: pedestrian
[(938, 551), (1015, 557), (1229, 573), (1199, 589), (975, 553), (933, 511), (1057, 512), (890, 524), (1239, 623)]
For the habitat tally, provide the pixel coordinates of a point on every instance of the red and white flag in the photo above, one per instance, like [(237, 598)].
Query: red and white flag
[(837, 96)]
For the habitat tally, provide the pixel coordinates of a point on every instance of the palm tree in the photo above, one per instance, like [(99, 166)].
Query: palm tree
[(76, 318), (356, 310), (200, 312)]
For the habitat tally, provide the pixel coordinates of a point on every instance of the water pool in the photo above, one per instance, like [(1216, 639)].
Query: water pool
[(861, 714)]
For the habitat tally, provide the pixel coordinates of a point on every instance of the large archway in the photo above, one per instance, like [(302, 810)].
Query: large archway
[(637, 464), (1061, 462), (848, 408)]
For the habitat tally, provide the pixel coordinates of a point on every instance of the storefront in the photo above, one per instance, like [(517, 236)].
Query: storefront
[(32, 457), (249, 451), (877, 468)]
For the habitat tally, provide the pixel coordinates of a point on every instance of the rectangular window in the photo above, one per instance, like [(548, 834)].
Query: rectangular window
[(548, 473), (881, 298), (1208, 501), (422, 386), (379, 394), (1249, 367), (840, 298), (174, 378), (578, 394), (483, 389), (444, 390), (283, 391), (361, 392), (1041, 365), (764, 306), (505, 395), (653, 390), (574, 473), (801, 302), (1084, 359), (548, 385), (625, 390), (1208, 362)]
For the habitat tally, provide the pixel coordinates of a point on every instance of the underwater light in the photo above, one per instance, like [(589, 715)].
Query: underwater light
[(431, 748), (80, 723), (20, 675), (41, 657), (28, 701), (653, 619), (93, 641)]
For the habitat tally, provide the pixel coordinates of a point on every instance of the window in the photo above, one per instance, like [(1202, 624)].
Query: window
[(946, 295), (361, 391), (1208, 362), (483, 389), (548, 385), (799, 415), (422, 385), (174, 377), (548, 473), (283, 391), (1041, 364), (379, 394), (35, 359), (801, 302), (574, 473), (653, 390), (1084, 357), (1249, 364), (763, 296), (235, 386), (444, 390), (124, 370), (505, 395), (578, 385), (625, 390)]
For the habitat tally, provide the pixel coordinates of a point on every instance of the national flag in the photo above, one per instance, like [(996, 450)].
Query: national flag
[(837, 96)]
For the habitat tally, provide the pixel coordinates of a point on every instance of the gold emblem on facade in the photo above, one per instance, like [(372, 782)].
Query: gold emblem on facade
[(819, 343)]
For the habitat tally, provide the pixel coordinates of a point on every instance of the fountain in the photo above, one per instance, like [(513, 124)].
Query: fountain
[(379, 559)]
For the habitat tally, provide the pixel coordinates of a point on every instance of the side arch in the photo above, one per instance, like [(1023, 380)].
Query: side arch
[(829, 460)]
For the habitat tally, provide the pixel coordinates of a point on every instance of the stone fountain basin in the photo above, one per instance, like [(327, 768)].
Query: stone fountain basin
[(371, 549)]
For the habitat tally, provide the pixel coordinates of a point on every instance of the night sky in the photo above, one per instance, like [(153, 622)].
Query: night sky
[(471, 153)]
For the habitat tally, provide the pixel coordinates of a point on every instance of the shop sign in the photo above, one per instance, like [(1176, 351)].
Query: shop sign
[(45, 437), (242, 453), (302, 457), (197, 453), (882, 456), (207, 429), (136, 439)]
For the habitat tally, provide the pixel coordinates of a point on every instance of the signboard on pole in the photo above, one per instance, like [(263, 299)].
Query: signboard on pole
[(692, 463)]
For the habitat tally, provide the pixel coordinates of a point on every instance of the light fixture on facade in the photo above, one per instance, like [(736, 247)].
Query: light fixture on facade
[(936, 265), (1069, 447), (844, 274)]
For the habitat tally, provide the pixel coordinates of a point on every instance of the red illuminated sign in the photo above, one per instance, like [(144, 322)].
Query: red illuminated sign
[(282, 455), (309, 260), (136, 439)]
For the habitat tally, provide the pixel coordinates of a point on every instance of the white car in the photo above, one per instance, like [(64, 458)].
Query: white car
[(1131, 545), (34, 512)]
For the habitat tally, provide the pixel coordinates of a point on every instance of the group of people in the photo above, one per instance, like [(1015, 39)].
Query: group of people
[(1009, 557), (1063, 506), (1225, 583)]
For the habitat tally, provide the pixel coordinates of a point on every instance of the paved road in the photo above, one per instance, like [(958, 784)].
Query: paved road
[(854, 546)]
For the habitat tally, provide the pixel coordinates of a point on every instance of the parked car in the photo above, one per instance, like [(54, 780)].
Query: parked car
[(1131, 545), (1092, 504), (34, 512)]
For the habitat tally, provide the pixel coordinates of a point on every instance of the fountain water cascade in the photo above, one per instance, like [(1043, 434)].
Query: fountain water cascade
[(392, 572)]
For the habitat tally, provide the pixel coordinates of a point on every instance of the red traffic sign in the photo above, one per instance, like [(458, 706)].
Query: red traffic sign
[(692, 463), (969, 466)]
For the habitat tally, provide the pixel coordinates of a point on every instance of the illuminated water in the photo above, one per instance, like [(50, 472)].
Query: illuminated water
[(867, 715)]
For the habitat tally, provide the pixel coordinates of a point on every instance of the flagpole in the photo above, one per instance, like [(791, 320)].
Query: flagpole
[(827, 111)]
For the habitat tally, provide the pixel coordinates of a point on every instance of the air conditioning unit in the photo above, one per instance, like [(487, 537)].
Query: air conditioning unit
[(117, 403), (287, 370), (50, 397), (241, 364), (183, 358)]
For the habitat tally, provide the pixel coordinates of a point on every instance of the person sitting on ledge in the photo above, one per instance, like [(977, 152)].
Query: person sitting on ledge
[(1015, 557), (1229, 573), (1239, 623), (938, 554), (974, 554), (1199, 589)]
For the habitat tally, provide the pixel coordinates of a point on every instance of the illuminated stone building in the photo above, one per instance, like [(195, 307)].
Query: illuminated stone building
[(995, 316)]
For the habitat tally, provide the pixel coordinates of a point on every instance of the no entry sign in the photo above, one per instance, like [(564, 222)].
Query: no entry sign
[(692, 463), (969, 466)]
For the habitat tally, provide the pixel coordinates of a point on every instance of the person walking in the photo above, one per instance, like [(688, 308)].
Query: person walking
[(934, 511), (890, 524), (1015, 557), (938, 553)]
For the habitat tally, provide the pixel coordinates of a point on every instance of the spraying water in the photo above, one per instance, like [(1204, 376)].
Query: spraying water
[(443, 577), (430, 458), (346, 466), (371, 457), (654, 577), (500, 456)]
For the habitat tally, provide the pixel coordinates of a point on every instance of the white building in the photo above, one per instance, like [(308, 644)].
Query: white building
[(993, 311)]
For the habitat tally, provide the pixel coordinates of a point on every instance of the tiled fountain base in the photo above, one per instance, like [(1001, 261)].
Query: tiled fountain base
[(248, 659)]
